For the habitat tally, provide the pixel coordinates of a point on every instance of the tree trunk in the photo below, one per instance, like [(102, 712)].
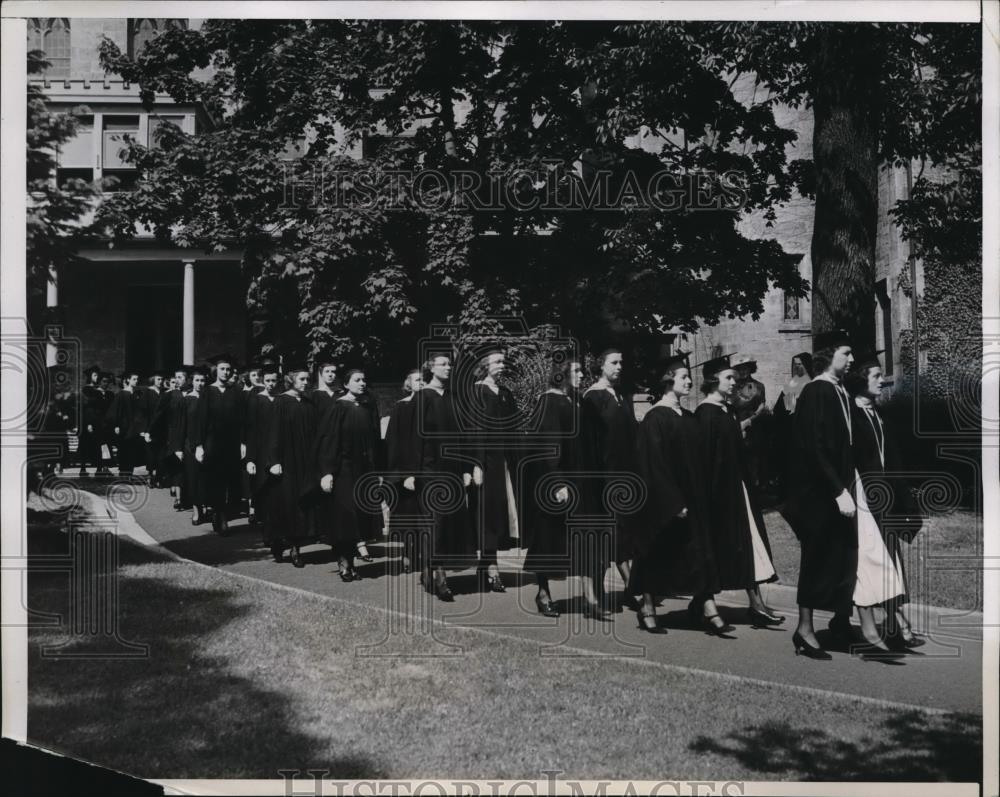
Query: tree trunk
[(845, 153)]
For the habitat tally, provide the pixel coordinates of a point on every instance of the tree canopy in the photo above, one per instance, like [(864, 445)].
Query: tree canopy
[(555, 109)]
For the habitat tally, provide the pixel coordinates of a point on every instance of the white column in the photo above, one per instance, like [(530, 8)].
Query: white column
[(51, 303), (189, 312)]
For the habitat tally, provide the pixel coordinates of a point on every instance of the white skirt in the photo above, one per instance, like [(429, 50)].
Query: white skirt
[(763, 568), (879, 579)]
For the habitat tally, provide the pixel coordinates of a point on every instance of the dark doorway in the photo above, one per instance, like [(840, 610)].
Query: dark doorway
[(153, 337)]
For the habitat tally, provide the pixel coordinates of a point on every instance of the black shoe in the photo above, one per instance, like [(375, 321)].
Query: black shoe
[(842, 632), (363, 554), (442, 590), (297, 558), (196, 519), (764, 618), (347, 573), (594, 611), (648, 623), (807, 650), (545, 606), (716, 630)]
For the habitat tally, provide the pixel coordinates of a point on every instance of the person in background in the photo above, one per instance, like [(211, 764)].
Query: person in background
[(349, 448), (257, 430), (494, 414), (402, 446), (170, 415), (609, 417), (735, 522), (127, 420), (749, 404), (106, 441), (801, 374), (183, 444), (821, 506), (217, 434), (291, 459), (881, 580), (92, 412), (149, 399)]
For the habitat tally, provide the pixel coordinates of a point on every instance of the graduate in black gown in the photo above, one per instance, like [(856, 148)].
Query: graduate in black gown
[(740, 543), (674, 544), (181, 441), (92, 410), (349, 448), (800, 375), (495, 418), (127, 420), (443, 478), (150, 396), (821, 508), (552, 487), (170, 407), (217, 433), (896, 519), (609, 419), (291, 459), (403, 452), (256, 436)]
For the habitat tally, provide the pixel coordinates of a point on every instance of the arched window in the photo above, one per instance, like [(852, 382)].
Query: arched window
[(52, 37), (143, 31)]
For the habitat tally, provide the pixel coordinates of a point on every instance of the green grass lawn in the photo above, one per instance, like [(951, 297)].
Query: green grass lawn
[(943, 565), (243, 679)]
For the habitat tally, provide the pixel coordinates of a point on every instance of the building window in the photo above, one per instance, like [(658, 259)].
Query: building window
[(885, 313), (51, 36), (143, 31), (118, 132), (791, 308), (75, 158)]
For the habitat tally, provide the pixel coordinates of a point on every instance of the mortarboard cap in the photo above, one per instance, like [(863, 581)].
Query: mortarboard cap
[(830, 339), (677, 360), (710, 368)]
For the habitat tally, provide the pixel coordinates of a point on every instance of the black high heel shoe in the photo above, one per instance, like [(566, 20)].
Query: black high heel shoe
[(297, 558), (347, 573), (363, 554), (649, 624), (764, 618), (716, 630), (442, 590), (545, 606), (807, 650)]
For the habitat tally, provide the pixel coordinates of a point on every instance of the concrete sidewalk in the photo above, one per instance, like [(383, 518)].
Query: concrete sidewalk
[(944, 675)]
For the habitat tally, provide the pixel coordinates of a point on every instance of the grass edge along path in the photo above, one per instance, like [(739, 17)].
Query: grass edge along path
[(244, 678)]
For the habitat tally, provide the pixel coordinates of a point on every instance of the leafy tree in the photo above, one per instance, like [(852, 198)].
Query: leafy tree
[(54, 209), (882, 95), (555, 108)]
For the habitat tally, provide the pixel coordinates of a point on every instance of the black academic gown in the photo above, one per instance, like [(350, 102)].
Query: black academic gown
[(822, 467), (674, 555), (93, 409), (495, 416), (453, 540), (182, 433), (887, 491), (259, 414), (349, 448), (154, 409), (292, 444), (169, 410), (609, 421), (408, 522), (555, 546), (218, 429), (728, 521), (127, 414)]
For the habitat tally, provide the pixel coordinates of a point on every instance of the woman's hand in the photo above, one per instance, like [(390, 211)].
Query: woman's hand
[(251, 469), (199, 453), (845, 504), (275, 470), (326, 483), (477, 476), (683, 513), (410, 483)]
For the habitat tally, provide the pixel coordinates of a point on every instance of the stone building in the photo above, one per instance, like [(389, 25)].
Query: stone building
[(144, 303)]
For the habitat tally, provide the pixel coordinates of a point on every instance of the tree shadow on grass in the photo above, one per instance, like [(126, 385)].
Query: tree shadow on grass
[(179, 711), (910, 746)]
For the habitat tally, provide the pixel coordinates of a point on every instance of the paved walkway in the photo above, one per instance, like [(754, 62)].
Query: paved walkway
[(943, 675)]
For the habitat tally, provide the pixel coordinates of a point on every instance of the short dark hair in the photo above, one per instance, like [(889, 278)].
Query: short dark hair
[(429, 362), (290, 375), (667, 380), (406, 379), (823, 358), (269, 368), (856, 380), (326, 363)]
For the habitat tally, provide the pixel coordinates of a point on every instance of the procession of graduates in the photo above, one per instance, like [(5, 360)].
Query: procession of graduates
[(462, 473)]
